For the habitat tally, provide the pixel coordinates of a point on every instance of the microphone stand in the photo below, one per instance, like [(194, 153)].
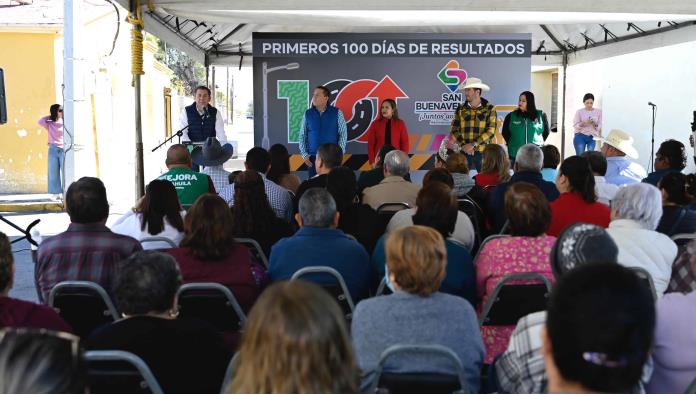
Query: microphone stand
[(177, 134), (652, 139)]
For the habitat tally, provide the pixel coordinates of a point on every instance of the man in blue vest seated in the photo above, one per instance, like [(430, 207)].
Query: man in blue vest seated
[(321, 124), (203, 120)]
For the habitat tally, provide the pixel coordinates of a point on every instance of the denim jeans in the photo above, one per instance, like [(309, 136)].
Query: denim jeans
[(474, 161), (583, 143), (55, 164)]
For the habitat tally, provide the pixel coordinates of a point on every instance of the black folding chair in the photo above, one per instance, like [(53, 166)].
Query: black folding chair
[(229, 373), (692, 388), (682, 239), (485, 241), (647, 280), (511, 301), (116, 371), (211, 302), (82, 304), (337, 289), (475, 214), (386, 211), (167, 242), (255, 248), (382, 289), (418, 382)]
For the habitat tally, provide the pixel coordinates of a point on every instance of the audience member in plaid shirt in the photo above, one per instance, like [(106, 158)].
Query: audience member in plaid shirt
[(474, 122), (259, 160), (212, 156), (684, 271), (87, 250)]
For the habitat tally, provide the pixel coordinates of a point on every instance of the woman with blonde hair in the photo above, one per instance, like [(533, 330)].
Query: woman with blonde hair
[(495, 167), (417, 312), (295, 341)]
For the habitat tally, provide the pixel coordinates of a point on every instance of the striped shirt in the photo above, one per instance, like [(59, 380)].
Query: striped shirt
[(474, 125), (89, 252), (278, 197)]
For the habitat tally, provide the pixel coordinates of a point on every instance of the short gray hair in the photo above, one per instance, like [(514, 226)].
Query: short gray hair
[(397, 163), (317, 208), (641, 202), (529, 158)]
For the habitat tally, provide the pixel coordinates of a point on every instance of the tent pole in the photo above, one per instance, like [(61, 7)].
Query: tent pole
[(139, 162), (563, 107)]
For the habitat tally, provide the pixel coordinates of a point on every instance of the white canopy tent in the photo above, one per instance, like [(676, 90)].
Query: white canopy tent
[(217, 32)]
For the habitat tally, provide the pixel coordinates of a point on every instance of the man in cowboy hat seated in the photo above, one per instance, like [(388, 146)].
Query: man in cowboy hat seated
[(618, 149), (474, 122), (212, 156), (188, 183)]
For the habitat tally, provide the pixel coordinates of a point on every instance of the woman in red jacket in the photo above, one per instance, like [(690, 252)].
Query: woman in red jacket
[(387, 128)]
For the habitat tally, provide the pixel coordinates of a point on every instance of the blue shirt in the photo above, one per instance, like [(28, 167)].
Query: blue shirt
[(549, 174), (654, 177), (313, 246), (496, 202), (622, 171)]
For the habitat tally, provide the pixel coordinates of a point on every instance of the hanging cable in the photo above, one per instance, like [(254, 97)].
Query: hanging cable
[(135, 18)]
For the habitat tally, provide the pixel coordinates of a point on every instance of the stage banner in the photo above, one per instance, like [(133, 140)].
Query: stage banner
[(422, 72)]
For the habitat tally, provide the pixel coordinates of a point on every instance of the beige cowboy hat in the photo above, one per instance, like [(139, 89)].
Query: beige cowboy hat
[(474, 83), (620, 140)]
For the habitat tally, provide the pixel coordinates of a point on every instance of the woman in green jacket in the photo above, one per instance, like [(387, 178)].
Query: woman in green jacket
[(525, 125)]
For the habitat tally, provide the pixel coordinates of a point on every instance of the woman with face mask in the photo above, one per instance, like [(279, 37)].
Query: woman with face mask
[(387, 129)]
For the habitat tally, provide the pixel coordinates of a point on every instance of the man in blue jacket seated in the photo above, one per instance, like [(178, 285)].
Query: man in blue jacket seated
[(528, 164), (319, 243)]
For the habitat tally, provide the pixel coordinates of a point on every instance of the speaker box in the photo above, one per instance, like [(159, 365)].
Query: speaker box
[(3, 105)]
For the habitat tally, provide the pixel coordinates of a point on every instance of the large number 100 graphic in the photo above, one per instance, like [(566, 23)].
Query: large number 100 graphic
[(353, 98)]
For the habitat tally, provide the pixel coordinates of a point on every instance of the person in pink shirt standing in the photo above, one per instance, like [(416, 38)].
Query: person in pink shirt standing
[(54, 125), (587, 124)]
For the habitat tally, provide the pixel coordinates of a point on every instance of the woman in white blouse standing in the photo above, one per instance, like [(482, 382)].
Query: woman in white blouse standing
[(158, 214), (587, 125)]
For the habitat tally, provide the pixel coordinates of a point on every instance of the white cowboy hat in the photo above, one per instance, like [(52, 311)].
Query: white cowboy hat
[(474, 83), (620, 140)]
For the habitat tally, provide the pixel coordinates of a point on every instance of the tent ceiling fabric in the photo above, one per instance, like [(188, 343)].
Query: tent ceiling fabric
[(219, 31)]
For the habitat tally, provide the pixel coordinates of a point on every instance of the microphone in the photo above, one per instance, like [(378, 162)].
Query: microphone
[(651, 104)]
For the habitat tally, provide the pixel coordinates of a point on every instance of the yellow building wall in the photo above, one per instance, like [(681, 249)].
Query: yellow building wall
[(28, 62)]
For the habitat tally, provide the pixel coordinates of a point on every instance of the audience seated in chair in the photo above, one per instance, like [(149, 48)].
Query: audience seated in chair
[(280, 169), (520, 370), (208, 252), (376, 174), (329, 156), (157, 214), (495, 167), (673, 357), (38, 361), (437, 209), (528, 164), (259, 160), (599, 330), (252, 214), (670, 158), (684, 271), (19, 313), (526, 250), (618, 149), (211, 157), (598, 165), (189, 184), (578, 200), (356, 219), (295, 341), (463, 233), (552, 158), (417, 313), (635, 213), (186, 356), (458, 166), (677, 218), (87, 250), (393, 188), (319, 242)]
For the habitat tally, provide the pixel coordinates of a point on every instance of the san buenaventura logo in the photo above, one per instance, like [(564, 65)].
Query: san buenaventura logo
[(441, 112), (452, 76)]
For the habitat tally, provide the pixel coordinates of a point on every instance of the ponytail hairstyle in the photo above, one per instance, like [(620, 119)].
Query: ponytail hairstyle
[(580, 178), (55, 108), (676, 185)]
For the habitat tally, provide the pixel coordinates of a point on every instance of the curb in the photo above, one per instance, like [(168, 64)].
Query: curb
[(31, 207)]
